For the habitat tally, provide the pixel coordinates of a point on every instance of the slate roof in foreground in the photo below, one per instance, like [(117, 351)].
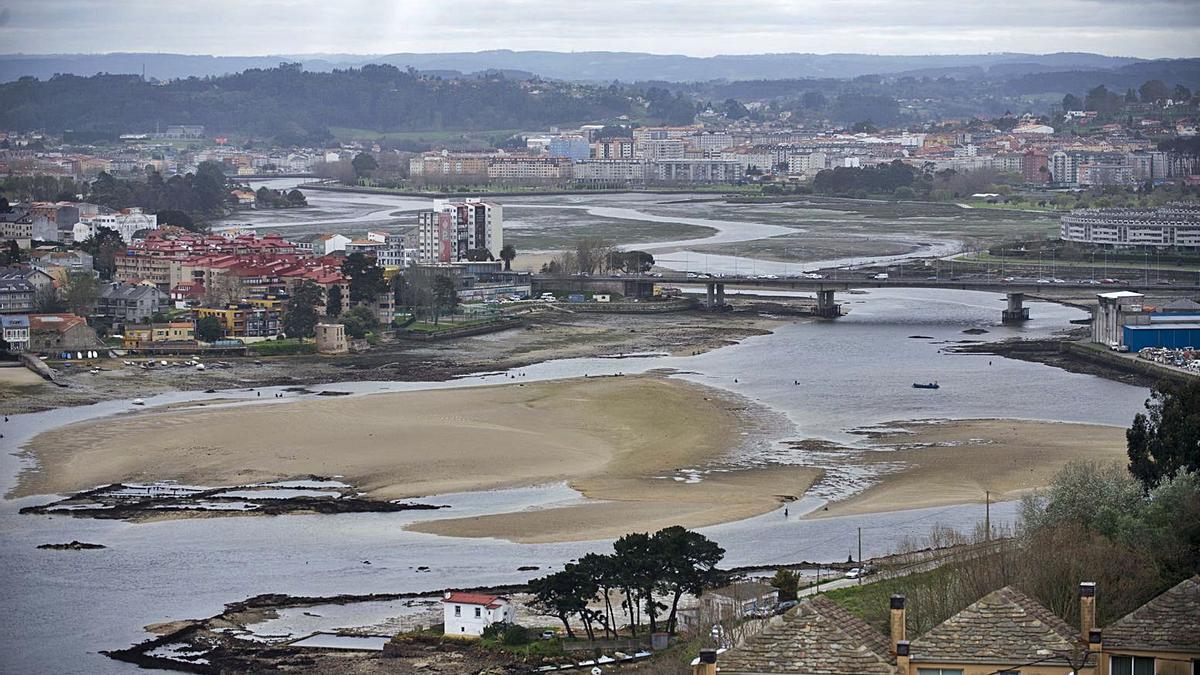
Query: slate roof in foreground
[(1169, 622), (818, 636), (1005, 626)]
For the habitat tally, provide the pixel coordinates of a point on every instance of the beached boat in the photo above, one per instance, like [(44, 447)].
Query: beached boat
[(930, 385)]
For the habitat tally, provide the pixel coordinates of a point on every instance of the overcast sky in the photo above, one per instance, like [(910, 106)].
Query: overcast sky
[(1146, 28)]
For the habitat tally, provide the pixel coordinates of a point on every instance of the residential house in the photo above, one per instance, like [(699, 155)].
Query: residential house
[(187, 294), (161, 333), (58, 333), (15, 331), (244, 319), (16, 295), (1162, 637), (818, 636), (325, 244), (130, 303), (740, 599), (125, 223), (1005, 631), (467, 614)]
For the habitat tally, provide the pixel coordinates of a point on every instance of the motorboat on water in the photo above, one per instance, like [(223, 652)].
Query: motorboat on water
[(928, 385)]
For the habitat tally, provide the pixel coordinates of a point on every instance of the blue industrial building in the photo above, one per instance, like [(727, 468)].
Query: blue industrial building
[(1175, 331)]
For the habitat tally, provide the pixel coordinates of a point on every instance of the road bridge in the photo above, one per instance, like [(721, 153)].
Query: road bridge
[(825, 288)]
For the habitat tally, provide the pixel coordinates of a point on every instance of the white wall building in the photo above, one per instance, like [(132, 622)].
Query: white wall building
[(125, 223), (448, 231), (467, 614)]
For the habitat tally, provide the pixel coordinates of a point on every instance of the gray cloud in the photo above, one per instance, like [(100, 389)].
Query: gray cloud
[(1151, 28)]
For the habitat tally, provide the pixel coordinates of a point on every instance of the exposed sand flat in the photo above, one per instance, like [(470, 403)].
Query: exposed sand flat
[(640, 504), (613, 438), (955, 462)]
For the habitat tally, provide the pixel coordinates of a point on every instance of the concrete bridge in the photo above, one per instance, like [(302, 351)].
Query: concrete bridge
[(642, 286)]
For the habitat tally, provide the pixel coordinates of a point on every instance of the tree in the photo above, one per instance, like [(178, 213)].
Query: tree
[(1166, 439), (788, 582), (104, 246), (365, 277), (689, 565), (1102, 100), (178, 219), (1071, 102), (1153, 91), (333, 302), (46, 300), (80, 291), (208, 329), (1181, 94), (444, 292), (300, 315), (12, 252), (359, 321), (364, 165), (563, 594), (507, 253)]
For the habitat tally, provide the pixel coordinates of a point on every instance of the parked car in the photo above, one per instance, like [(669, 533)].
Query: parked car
[(785, 606), (854, 573)]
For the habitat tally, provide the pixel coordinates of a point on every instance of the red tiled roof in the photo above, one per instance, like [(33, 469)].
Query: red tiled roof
[(490, 601), (56, 322)]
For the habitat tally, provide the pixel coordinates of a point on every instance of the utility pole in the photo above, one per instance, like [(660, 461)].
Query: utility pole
[(860, 560), (987, 514)]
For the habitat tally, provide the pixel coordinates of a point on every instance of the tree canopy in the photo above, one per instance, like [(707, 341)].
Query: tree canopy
[(1165, 440)]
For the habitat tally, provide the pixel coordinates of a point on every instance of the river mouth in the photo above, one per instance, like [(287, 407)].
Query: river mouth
[(854, 372)]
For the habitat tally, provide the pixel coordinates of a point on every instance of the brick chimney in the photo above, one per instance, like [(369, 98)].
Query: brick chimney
[(1087, 609), (898, 629), (706, 664), (902, 657), (1095, 640)]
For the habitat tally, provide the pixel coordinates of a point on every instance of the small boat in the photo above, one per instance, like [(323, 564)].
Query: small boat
[(930, 385), (138, 401)]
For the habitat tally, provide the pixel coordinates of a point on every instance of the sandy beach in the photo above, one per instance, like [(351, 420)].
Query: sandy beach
[(956, 462), (616, 439)]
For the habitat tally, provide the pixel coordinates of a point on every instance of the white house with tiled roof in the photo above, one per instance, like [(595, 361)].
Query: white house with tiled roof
[(467, 614)]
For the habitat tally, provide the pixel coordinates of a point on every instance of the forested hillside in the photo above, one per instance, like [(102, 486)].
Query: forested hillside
[(290, 103)]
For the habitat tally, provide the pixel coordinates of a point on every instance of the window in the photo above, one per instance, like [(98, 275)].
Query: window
[(939, 671), (458, 610), (478, 612), (1131, 665)]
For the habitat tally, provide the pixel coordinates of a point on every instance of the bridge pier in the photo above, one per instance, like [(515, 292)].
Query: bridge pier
[(714, 297), (826, 307), (1016, 311)]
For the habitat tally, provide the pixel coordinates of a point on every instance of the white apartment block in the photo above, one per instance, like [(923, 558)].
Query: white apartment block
[(448, 231), (125, 223)]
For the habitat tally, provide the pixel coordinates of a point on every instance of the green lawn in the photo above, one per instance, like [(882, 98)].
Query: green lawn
[(286, 347)]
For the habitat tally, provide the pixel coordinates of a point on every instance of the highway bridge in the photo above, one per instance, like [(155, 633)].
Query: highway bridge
[(642, 286)]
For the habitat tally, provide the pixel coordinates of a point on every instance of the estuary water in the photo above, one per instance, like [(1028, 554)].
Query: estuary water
[(63, 607)]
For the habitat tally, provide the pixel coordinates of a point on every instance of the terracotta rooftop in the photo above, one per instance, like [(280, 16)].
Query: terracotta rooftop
[(818, 636), (1006, 627), (1167, 623), (490, 601)]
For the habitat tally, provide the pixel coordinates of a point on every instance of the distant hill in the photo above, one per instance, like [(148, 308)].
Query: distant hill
[(576, 66)]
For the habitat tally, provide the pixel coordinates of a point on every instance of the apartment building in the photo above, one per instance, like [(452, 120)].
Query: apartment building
[(517, 168), (450, 230), (245, 319), (694, 171), (610, 172)]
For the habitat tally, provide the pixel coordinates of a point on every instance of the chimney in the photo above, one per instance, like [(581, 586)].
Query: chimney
[(898, 629), (706, 664), (902, 657), (1087, 609), (1095, 640)]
